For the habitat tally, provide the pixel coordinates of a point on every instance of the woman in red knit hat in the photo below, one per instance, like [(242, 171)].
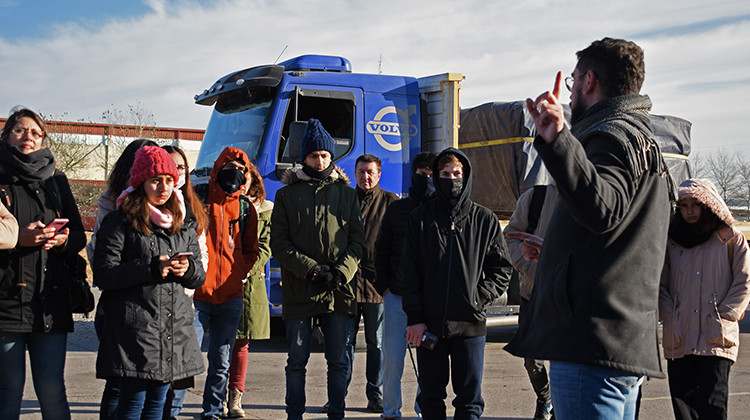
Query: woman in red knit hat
[(145, 257)]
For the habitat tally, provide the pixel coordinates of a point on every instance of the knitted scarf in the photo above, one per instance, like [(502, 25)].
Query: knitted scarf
[(625, 119), (159, 217), (33, 167)]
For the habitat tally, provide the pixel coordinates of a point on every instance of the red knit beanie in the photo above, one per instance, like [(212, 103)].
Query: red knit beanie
[(149, 162)]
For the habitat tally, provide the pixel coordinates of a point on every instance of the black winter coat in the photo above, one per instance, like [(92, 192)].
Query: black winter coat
[(389, 244), (373, 204), (34, 295), (148, 328), (455, 262), (597, 282)]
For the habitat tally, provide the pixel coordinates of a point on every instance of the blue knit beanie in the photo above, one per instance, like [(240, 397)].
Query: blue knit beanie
[(316, 138)]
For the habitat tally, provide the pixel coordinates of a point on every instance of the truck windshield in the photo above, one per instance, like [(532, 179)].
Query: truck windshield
[(239, 120)]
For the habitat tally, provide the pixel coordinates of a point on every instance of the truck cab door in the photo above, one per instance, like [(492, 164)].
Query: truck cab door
[(338, 109)]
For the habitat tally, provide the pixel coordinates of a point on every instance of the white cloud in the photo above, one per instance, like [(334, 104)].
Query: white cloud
[(696, 52)]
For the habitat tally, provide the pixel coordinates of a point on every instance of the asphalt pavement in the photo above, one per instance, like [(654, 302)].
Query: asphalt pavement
[(506, 389)]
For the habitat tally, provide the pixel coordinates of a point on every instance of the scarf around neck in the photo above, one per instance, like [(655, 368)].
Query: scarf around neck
[(33, 167), (626, 118), (161, 218)]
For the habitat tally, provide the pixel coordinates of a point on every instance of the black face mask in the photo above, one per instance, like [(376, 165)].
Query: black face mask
[(231, 180), (451, 188), (421, 187)]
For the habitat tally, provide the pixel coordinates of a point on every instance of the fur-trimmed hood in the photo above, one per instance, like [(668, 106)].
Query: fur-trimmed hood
[(266, 205), (705, 192), (292, 175)]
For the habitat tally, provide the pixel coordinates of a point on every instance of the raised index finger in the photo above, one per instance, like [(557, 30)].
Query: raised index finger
[(558, 85)]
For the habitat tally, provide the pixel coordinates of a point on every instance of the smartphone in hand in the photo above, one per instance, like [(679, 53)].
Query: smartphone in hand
[(58, 224), (181, 254)]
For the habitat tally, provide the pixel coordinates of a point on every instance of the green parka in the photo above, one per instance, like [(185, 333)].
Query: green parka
[(316, 222), (255, 323)]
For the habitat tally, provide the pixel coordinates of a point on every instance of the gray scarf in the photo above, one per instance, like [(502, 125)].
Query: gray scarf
[(625, 119), (33, 167)]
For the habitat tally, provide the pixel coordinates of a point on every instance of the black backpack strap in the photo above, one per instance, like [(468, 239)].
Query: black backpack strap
[(244, 213), (535, 209)]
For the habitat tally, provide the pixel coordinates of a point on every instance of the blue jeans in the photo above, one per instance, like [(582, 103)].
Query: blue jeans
[(141, 399), (47, 356), (582, 391), (373, 316), (298, 337), (466, 356), (394, 351), (219, 321)]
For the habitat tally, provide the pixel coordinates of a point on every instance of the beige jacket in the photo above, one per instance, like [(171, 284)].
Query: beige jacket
[(519, 222), (702, 297), (8, 229)]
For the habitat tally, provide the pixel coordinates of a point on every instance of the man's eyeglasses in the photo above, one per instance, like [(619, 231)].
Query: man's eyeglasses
[(34, 134), (569, 81)]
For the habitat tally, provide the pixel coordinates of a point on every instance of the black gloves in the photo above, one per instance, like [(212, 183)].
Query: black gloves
[(325, 277)]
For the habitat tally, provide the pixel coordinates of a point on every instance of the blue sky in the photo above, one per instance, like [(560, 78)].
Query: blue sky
[(80, 58), (37, 18)]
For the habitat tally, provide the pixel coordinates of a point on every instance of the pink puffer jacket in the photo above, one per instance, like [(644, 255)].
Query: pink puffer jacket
[(702, 297)]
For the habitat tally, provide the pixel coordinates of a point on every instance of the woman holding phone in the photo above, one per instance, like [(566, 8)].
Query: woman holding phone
[(146, 255), (118, 181), (35, 313)]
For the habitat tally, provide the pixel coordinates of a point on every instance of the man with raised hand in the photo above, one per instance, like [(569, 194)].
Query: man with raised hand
[(593, 310)]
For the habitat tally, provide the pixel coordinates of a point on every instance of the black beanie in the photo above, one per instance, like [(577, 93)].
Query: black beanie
[(316, 138)]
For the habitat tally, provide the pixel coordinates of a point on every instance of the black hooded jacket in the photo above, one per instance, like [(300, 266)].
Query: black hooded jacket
[(454, 262), (390, 241)]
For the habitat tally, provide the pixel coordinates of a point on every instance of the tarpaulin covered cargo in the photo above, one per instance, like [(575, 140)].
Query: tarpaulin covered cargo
[(497, 137)]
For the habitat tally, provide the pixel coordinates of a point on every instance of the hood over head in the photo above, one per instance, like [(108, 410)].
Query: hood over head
[(464, 198), (705, 192), (227, 155)]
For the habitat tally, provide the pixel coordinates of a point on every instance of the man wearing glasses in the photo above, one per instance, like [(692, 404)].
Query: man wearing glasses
[(593, 311)]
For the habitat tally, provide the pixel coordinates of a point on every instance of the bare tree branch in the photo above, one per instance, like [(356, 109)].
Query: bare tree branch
[(721, 168), (743, 175)]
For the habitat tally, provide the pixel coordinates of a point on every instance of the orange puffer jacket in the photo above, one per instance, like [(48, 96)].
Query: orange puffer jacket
[(231, 254)]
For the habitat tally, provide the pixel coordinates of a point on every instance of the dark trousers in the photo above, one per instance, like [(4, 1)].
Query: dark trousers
[(699, 386), (466, 356), (535, 368)]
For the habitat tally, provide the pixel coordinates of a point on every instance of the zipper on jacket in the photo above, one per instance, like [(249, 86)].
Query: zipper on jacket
[(450, 269), (218, 251)]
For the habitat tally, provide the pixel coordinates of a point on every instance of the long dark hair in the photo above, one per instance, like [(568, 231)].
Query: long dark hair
[(188, 192), (120, 175), (257, 191), (135, 208)]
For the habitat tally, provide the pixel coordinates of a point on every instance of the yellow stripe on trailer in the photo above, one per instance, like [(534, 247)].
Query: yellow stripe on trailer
[(485, 143)]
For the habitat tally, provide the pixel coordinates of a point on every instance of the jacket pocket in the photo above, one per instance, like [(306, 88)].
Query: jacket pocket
[(560, 288), (672, 332), (722, 332)]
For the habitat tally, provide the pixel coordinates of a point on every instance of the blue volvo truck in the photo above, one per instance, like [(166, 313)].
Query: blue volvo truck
[(263, 110)]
